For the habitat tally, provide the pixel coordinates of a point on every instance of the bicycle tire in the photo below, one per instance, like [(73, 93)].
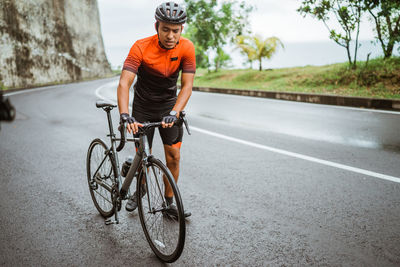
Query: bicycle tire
[(100, 192), (167, 241)]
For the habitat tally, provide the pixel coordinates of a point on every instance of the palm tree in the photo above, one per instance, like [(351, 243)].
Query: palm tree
[(246, 49), (257, 48)]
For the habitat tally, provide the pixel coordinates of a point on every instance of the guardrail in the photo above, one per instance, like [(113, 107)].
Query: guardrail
[(365, 102)]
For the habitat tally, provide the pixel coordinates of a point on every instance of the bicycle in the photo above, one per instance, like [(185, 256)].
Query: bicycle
[(165, 234)]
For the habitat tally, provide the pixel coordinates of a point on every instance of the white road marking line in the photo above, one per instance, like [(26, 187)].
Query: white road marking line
[(283, 152), (29, 91), (300, 156), (97, 91)]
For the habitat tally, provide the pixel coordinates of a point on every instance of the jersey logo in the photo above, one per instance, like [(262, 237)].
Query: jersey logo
[(174, 58)]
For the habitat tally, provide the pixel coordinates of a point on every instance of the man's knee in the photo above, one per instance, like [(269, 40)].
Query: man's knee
[(172, 155), (173, 158)]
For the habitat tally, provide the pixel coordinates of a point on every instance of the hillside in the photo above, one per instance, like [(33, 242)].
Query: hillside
[(50, 41), (378, 79)]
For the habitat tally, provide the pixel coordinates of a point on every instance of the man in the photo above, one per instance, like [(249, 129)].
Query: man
[(157, 61)]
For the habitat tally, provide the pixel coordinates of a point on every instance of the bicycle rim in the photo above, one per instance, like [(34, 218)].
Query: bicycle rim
[(166, 235), (100, 182)]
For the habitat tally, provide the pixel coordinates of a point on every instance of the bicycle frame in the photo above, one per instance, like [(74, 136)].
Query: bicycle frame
[(119, 190), (142, 153), (140, 160), (141, 156)]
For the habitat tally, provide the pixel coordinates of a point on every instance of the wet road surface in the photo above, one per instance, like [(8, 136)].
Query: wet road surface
[(255, 174)]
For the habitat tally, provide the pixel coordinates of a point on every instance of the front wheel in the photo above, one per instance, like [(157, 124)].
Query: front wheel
[(165, 234), (100, 174)]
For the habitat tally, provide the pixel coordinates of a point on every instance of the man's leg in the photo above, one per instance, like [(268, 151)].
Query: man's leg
[(172, 156)]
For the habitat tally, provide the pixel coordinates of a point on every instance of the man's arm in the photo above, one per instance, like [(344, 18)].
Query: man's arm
[(125, 81), (185, 93)]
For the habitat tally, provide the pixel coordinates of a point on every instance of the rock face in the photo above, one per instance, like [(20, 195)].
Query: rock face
[(46, 41)]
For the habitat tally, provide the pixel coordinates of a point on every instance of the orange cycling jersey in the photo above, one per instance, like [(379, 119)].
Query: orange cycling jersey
[(158, 69)]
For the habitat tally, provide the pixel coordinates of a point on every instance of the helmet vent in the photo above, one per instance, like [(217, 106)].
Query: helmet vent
[(170, 12)]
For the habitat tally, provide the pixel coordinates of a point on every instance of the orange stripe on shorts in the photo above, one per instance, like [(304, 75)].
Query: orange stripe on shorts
[(178, 145)]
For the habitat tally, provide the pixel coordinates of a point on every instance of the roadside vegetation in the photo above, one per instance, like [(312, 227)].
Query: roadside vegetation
[(376, 78)]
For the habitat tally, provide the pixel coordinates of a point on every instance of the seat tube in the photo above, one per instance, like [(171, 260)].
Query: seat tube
[(114, 155), (110, 126)]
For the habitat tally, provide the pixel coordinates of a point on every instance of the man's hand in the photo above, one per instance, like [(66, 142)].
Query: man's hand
[(132, 125), (169, 120)]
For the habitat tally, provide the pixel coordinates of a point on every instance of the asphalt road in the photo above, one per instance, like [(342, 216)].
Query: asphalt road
[(268, 183)]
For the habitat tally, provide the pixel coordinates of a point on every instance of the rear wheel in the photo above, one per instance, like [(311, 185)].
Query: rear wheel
[(100, 175), (165, 234)]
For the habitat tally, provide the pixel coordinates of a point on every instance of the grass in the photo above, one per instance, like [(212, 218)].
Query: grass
[(117, 71), (379, 79)]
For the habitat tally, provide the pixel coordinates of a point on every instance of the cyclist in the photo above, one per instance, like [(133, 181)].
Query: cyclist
[(156, 62)]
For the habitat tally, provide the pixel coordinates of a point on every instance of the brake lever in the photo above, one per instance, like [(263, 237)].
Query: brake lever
[(183, 114)]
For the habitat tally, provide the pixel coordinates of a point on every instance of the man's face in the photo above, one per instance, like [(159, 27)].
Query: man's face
[(169, 34)]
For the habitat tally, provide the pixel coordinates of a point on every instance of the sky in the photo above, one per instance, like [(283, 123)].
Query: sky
[(125, 21)]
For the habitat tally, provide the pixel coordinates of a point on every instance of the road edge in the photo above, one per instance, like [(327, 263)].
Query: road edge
[(50, 84), (349, 101)]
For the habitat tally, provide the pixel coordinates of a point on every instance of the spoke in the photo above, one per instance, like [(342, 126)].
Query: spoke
[(102, 164), (151, 226), (162, 230), (105, 198), (156, 177)]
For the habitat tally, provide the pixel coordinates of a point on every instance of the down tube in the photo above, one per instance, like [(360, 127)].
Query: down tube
[(131, 173)]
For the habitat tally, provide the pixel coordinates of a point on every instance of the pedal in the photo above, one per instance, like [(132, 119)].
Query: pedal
[(93, 185), (109, 221)]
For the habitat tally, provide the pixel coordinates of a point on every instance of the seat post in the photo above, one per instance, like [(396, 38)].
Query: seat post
[(110, 126)]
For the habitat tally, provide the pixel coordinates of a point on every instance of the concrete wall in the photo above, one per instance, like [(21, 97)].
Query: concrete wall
[(46, 41)]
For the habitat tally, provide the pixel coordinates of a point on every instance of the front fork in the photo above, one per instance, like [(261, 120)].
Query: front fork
[(147, 169)]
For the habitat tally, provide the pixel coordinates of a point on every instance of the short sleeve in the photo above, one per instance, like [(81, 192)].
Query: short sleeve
[(188, 62), (134, 59)]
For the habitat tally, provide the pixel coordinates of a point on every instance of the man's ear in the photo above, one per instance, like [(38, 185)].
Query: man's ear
[(182, 29), (156, 26)]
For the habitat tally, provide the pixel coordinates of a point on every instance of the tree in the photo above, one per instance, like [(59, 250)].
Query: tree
[(257, 48), (212, 23), (246, 48), (386, 17), (346, 12), (222, 59), (202, 59)]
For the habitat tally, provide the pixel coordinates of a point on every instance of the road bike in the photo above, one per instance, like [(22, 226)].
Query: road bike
[(164, 233)]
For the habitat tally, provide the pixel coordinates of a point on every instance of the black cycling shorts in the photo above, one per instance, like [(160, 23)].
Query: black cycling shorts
[(169, 136)]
